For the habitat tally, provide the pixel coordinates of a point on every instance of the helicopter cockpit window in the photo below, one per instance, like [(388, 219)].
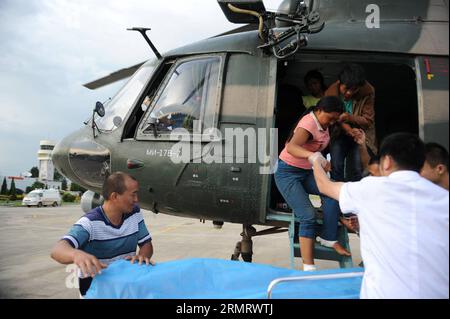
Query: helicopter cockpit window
[(186, 98), (118, 107)]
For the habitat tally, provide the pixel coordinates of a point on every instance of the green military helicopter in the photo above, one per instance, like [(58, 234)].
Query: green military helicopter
[(196, 125)]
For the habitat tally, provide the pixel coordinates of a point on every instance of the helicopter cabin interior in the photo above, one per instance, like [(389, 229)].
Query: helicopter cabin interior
[(394, 80)]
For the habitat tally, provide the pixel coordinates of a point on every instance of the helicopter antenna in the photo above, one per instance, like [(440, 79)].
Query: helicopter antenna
[(143, 32)]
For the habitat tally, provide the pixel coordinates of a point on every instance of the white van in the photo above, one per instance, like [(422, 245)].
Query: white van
[(42, 197)]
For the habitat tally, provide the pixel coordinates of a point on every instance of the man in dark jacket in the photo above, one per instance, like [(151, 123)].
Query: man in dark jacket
[(358, 96)]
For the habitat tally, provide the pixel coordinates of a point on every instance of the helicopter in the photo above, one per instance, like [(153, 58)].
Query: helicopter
[(200, 127)]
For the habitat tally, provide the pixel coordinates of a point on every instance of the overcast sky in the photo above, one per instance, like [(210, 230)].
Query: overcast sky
[(49, 48)]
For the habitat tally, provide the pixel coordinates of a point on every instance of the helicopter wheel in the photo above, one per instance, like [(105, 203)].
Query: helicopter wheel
[(237, 251), (244, 247), (247, 257)]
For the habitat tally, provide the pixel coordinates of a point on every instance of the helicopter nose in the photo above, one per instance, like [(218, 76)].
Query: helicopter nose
[(82, 161), (60, 158)]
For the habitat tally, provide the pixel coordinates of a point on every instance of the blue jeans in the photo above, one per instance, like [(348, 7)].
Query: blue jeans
[(295, 184), (345, 152)]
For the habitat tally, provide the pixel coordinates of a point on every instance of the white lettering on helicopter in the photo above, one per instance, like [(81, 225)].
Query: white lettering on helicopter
[(161, 153), (373, 19), (239, 146)]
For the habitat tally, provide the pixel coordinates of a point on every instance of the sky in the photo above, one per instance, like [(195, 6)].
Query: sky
[(49, 48)]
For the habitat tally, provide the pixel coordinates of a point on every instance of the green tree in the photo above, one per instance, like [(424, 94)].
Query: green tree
[(34, 171), (35, 185), (12, 191), (57, 176), (4, 190), (64, 184), (69, 198), (77, 188)]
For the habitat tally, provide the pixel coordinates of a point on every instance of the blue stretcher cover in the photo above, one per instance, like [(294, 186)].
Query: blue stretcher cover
[(200, 278)]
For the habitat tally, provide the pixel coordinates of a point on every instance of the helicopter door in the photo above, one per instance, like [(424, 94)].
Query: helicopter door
[(184, 107), (432, 83)]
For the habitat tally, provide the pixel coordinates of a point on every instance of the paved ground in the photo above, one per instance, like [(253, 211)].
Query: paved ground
[(28, 234)]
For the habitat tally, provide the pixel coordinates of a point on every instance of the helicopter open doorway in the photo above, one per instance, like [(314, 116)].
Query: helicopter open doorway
[(394, 79)]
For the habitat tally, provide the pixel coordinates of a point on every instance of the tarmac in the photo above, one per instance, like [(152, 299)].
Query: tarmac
[(27, 236)]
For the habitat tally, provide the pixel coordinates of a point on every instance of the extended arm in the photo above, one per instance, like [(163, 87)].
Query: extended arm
[(325, 185), (65, 254), (294, 147), (360, 139)]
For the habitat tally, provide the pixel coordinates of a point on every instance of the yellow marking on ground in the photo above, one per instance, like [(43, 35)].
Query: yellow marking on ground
[(166, 229)]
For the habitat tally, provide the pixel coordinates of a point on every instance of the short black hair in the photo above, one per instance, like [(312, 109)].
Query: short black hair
[(406, 149), (115, 183), (329, 104), (374, 160), (436, 154), (352, 75)]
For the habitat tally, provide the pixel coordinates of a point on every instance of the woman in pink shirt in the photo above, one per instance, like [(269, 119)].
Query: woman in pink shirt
[(295, 179)]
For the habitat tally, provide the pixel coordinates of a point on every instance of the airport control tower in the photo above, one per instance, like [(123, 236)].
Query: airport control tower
[(46, 168)]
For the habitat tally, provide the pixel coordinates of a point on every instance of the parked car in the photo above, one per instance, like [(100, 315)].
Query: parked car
[(42, 197)]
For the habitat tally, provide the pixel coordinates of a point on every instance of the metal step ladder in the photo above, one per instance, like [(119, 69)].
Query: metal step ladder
[(320, 252)]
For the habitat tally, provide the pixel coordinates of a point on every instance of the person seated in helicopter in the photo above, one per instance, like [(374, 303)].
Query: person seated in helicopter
[(295, 179), (315, 84)]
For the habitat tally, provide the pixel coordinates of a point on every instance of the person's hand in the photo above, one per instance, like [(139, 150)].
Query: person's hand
[(318, 157), (344, 117), (327, 167), (351, 223), (352, 133), (88, 264), (359, 136), (140, 258)]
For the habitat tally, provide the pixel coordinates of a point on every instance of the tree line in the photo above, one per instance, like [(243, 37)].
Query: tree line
[(12, 192)]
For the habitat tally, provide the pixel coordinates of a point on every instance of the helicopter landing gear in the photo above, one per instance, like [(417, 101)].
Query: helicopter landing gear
[(244, 247)]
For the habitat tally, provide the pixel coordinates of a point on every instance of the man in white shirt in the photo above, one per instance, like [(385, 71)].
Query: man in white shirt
[(404, 222)]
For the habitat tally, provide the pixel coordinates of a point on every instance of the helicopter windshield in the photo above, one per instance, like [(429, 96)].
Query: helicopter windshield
[(185, 97), (118, 107)]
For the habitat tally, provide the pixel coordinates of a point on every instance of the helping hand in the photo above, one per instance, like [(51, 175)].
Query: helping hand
[(318, 157), (359, 136), (140, 258), (344, 117), (88, 264)]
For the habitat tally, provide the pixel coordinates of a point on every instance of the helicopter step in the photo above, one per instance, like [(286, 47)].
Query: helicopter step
[(320, 252)]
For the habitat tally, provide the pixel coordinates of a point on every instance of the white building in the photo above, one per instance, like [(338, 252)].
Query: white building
[(46, 168)]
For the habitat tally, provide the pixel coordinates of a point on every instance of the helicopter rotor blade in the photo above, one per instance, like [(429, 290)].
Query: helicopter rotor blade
[(113, 77), (127, 72)]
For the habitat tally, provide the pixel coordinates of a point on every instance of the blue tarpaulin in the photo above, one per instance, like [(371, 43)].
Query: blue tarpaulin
[(200, 278)]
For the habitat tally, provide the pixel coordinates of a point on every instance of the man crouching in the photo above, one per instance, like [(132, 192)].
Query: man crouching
[(107, 233)]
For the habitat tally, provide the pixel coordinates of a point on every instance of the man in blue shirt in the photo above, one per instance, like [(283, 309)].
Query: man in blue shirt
[(107, 233)]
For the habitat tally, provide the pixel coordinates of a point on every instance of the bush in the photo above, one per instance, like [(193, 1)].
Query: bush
[(69, 198)]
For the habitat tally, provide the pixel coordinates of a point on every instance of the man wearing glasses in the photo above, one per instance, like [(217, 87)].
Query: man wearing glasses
[(358, 97)]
